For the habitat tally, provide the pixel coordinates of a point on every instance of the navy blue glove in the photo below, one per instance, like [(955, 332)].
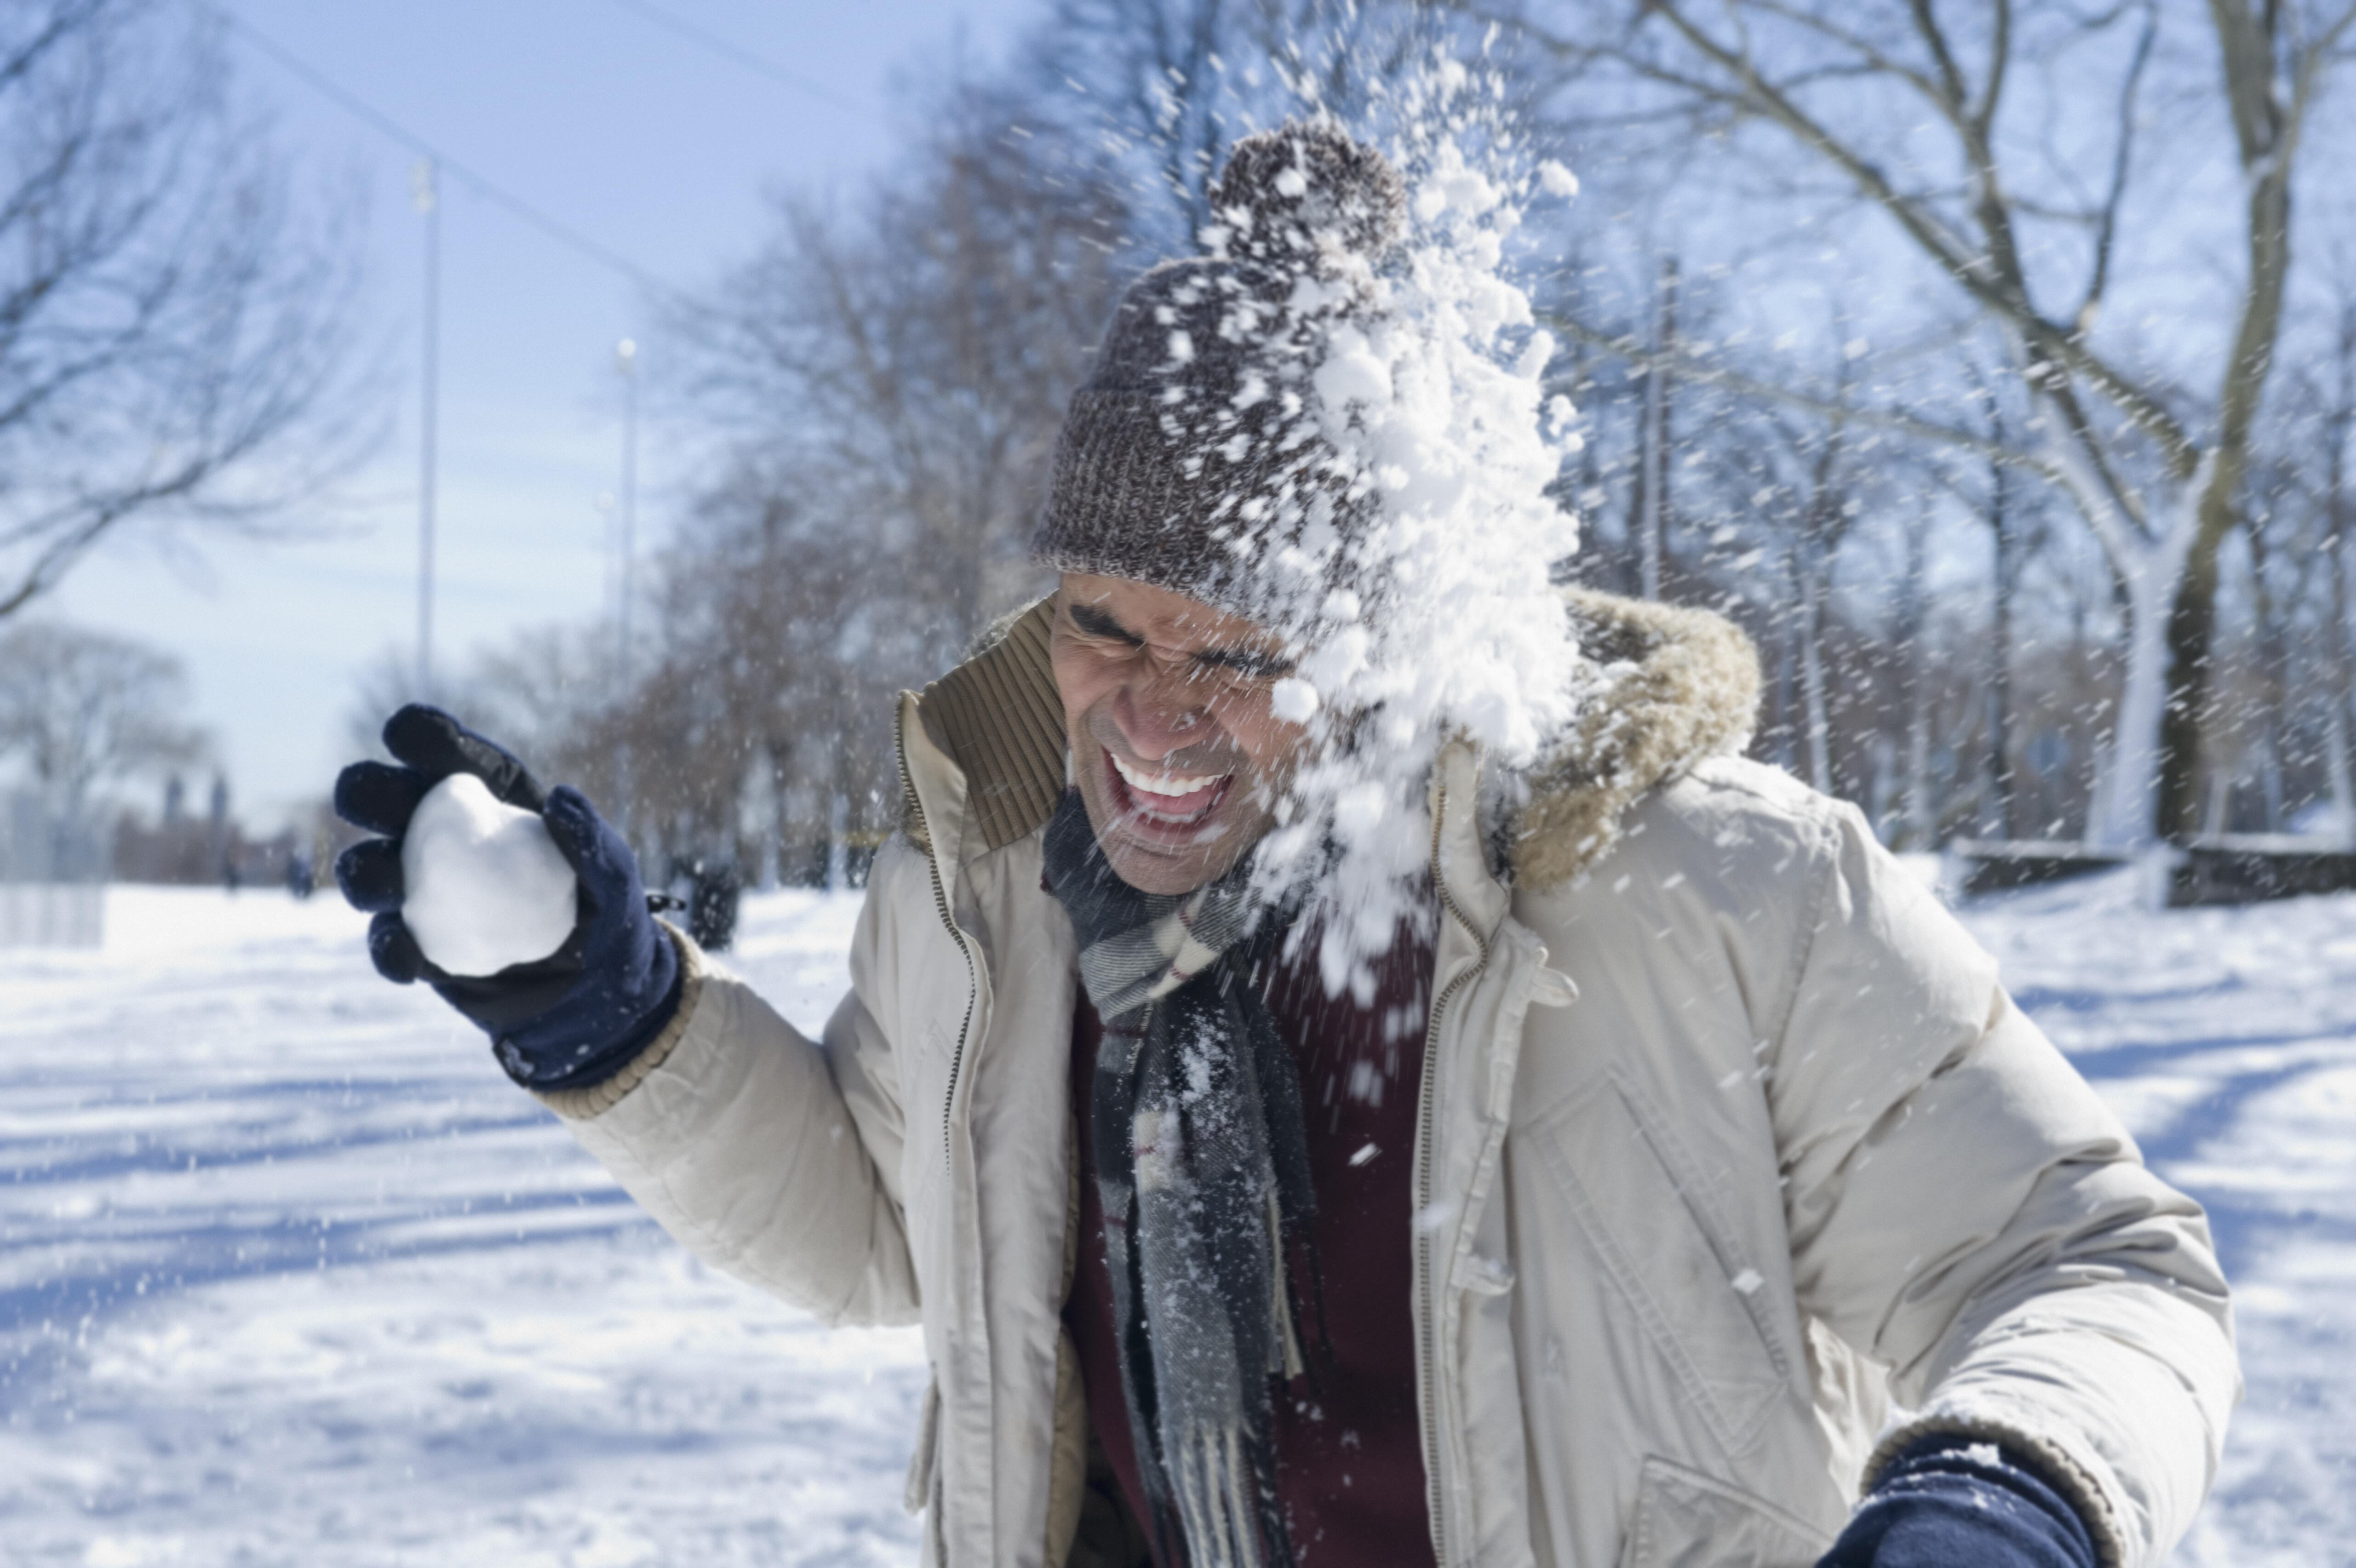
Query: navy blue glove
[(568, 1020), (1957, 1502)]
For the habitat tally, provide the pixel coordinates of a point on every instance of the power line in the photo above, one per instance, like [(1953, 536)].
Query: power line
[(489, 190), (713, 42)]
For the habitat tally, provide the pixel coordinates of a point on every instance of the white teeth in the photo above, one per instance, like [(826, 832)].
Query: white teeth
[(1166, 785)]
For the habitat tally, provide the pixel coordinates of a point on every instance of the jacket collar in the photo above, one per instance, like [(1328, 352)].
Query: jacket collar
[(998, 724)]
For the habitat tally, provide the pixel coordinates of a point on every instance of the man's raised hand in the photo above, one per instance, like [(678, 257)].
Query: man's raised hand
[(463, 874)]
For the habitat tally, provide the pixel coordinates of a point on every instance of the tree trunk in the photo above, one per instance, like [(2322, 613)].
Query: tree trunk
[(1812, 672), (1921, 820), (2132, 772), (2343, 706), (1920, 815), (2335, 763), (1787, 659), (2191, 631), (2215, 485), (1654, 510), (2336, 562), (1996, 813)]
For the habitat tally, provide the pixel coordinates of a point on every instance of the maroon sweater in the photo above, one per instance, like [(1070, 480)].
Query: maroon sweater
[(1349, 1457)]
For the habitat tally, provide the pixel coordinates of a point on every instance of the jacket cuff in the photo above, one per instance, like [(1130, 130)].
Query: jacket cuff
[(594, 1099), (2054, 1463)]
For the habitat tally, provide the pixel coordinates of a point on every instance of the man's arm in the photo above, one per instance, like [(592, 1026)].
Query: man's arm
[(771, 1158), (1963, 1209)]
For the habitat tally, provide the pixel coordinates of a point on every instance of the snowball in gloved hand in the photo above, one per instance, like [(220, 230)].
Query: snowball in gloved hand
[(483, 885)]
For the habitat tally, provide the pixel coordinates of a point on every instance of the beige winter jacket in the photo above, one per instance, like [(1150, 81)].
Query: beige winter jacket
[(1733, 1159)]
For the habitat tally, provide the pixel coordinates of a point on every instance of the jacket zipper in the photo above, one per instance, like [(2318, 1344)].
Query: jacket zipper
[(1431, 1391), (949, 922)]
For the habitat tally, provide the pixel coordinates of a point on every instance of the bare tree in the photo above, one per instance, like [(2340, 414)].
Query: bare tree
[(2302, 639), (2011, 505), (1152, 73), (900, 371), (80, 710), (1163, 88), (172, 337), (770, 703), (2331, 506), (886, 381), (2028, 223)]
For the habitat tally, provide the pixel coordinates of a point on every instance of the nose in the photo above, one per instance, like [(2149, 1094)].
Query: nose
[(1159, 711)]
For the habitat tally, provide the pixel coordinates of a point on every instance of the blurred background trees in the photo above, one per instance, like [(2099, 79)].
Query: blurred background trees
[(2107, 205), (91, 720), (1994, 365), (176, 353), (87, 712)]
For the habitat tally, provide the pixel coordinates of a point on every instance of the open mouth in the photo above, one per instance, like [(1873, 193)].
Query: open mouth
[(1164, 800)]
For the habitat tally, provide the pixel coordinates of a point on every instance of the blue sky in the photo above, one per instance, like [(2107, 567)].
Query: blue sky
[(636, 136)]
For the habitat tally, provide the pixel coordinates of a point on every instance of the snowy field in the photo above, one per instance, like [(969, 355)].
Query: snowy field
[(289, 1273)]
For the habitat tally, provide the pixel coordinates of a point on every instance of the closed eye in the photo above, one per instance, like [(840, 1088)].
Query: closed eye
[(1090, 621), (1095, 623), (1245, 662)]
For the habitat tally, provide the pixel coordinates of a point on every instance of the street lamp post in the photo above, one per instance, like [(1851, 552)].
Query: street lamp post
[(423, 191), (625, 361)]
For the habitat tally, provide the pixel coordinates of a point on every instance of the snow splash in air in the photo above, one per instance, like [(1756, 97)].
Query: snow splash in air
[(1412, 576)]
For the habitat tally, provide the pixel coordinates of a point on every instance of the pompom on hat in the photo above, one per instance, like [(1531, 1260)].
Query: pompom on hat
[(1195, 447), (1305, 195)]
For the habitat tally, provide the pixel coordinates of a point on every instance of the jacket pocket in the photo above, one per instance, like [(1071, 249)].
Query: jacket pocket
[(1686, 1519), (1643, 1204)]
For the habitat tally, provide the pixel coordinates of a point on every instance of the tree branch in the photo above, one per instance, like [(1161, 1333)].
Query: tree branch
[(1993, 278), (1983, 114), (2121, 160), (1950, 78), (1691, 368)]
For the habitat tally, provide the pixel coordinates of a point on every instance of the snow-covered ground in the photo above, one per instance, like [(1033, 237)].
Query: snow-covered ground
[(289, 1274), (2226, 1040)]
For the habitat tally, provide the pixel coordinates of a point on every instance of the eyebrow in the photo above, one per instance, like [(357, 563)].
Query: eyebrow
[(1096, 622)]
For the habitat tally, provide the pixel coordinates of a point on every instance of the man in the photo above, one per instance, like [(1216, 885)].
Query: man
[(1679, 1175)]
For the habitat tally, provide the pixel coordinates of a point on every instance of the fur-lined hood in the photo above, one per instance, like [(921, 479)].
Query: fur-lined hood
[(1675, 686)]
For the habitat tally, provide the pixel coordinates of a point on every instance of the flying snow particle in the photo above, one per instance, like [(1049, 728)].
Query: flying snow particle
[(487, 887), (1559, 181), (1749, 1280), (1353, 372), (1294, 700), (1433, 1215)]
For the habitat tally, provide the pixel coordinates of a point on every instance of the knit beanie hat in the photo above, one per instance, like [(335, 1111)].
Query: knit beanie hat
[(1196, 454)]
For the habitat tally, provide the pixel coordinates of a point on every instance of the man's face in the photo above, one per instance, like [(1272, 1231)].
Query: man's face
[(1167, 702)]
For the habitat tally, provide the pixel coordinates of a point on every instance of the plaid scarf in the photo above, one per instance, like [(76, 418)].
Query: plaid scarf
[(1201, 1162)]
